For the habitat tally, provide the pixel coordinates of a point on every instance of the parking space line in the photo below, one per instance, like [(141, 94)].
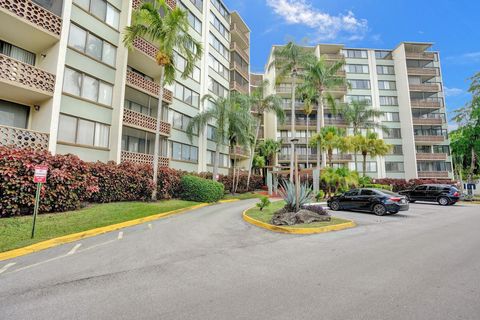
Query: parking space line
[(74, 249), (8, 265), (120, 235)]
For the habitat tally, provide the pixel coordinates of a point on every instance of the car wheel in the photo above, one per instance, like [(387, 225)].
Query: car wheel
[(335, 205), (379, 209), (443, 201)]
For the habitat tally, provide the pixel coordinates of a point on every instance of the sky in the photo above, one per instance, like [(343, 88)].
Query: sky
[(452, 25)]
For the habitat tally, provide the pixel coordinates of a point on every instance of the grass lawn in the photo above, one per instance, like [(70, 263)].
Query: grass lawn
[(267, 214), (15, 232), (243, 196)]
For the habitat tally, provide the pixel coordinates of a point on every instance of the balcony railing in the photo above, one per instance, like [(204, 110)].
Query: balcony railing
[(35, 14), (313, 157), (429, 138), (419, 103), (243, 53), (140, 120), (234, 28), (23, 138), (426, 87), (239, 151), (420, 55), (240, 69), (423, 71), (427, 121), (234, 85), (136, 3), (433, 174), (146, 47), (26, 75), (135, 157), (332, 56), (148, 86), (431, 156), (339, 122)]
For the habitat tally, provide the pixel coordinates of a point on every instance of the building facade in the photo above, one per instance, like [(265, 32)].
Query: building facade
[(69, 85), (405, 83)]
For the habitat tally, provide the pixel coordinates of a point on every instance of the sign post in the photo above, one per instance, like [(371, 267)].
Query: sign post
[(39, 177)]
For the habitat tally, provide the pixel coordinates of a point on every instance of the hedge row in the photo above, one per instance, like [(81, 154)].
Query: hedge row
[(72, 182), (402, 184)]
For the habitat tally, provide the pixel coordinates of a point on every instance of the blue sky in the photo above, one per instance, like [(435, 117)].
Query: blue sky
[(453, 26)]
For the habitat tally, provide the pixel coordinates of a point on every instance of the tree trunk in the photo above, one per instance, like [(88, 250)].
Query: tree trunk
[(355, 130), (322, 125), (292, 145), (252, 152), (319, 152), (306, 137), (232, 190), (330, 158), (156, 149), (472, 166), (216, 162), (364, 164)]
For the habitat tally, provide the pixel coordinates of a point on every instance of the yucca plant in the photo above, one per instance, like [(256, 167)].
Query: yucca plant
[(287, 192)]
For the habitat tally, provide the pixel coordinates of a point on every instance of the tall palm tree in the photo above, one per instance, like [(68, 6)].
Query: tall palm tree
[(225, 112), (268, 149), (310, 98), (322, 76), (371, 145), (262, 104), (358, 115), (288, 61), (167, 28), (331, 138)]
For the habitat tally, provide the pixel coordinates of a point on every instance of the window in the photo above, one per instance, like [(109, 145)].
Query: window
[(223, 159), (388, 101), (434, 166), (85, 86), (180, 64), (397, 150), (179, 120), (217, 88), (357, 68), (358, 98), (184, 152), (357, 54), (198, 4), (218, 46), (13, 114), (359, 84), (366, 192), (82, 131), (421, 188), (102, 10), (351, 193), (219, 26), (391, 116), (186, 95), (371, 166), (221, 8), (387, 85), (394, 166), (17, 53), (385, 70), (441, 149), (193, 21), (218, 66), (392, 133), (211, 133), (382, 54)]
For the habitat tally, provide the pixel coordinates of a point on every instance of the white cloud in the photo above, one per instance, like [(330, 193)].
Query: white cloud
[(324, 25), (453, 92)]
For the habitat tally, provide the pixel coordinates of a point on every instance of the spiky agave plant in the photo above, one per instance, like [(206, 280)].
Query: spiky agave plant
[(287, 191)]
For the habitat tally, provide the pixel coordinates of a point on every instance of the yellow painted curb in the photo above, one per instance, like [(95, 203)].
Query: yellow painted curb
[(283, 229), (228, 200), (91, 233)]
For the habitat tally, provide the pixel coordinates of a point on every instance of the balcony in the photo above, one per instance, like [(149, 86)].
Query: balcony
[(144, 122), (31, 26), (239, 36), (429, 72), (433, 174), (23, 82), (431, 156), (300, 157), (429, 139), (171, 3), (332, 56), (23, 138), (243, 53), (239, 152), (427, 104), (420, 55), (427, 121), (149, 87), (127, 156), (335, 122), (240, 69), (426, 87), (235, 86)]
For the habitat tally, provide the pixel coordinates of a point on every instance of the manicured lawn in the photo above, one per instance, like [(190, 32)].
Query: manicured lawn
[(243, 196), (267, 214), (15, 232)]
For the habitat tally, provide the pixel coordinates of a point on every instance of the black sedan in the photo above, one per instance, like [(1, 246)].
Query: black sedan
[(377, 201), (444, 194)]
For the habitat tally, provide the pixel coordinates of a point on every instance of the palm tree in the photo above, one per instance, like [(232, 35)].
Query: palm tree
[(359, 116), (288, 60), (329, 139), (225, 112), (168, 29), (322, 76), (268, 149), (262, 104), (371, 145), (310, 97)]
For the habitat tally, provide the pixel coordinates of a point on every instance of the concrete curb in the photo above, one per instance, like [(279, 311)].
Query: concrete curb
[(282, 229), (93, 232)]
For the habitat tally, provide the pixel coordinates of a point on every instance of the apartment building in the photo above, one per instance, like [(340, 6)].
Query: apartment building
[(69, 85), (405, 83)]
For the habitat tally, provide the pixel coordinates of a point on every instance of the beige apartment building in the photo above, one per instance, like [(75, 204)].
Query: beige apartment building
[(405, 83), (68, 84)]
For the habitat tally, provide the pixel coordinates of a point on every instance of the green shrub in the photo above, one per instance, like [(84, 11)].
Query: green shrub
[(378, 186), (201, 190), (264, 202), (320, 195), (364, 181)]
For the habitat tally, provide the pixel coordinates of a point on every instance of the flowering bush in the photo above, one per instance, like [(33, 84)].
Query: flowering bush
[(402, 184)]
